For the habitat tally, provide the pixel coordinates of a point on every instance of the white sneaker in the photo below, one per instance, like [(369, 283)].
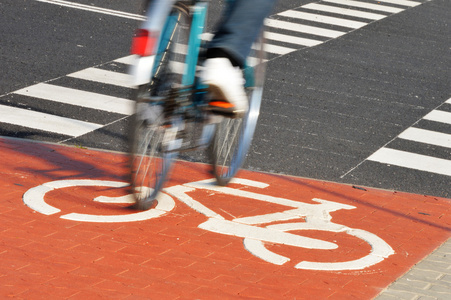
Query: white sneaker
[(226, 86)]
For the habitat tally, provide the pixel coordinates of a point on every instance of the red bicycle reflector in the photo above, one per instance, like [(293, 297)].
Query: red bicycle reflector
[(143, 43)]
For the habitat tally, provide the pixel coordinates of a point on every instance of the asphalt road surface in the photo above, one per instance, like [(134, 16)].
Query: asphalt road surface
[(357, 91)]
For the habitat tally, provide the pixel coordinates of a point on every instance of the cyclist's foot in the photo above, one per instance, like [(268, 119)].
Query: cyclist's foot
[(226, 86)]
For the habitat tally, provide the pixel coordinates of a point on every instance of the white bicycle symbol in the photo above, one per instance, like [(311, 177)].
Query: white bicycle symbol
[(314, 216)]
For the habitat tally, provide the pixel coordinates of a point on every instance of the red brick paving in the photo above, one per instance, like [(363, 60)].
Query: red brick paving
[(170, 257)]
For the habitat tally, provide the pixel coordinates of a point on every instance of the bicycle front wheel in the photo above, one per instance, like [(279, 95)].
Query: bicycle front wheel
[(233, 136), (149, 163), (154, 127)]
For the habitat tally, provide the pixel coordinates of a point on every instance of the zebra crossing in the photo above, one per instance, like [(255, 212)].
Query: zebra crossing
[(306, 26), (49, 93), (315, 23), (424, 138)]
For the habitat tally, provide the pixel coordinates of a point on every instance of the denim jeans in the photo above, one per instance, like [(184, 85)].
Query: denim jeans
[(240, 26)]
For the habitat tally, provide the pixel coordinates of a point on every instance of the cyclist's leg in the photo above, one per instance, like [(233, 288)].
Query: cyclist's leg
[(240, 26), (233, 136)]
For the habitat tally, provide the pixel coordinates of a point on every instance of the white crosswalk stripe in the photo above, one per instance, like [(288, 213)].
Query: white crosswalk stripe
[(344, 11), (128, 60), (277, 49), (377, 6), (412, 161), (439, 116), (291, 39), (401, 2), (103, 76), (303, 28), (45, 122), (78, 97), (427, 137), (322, 19)]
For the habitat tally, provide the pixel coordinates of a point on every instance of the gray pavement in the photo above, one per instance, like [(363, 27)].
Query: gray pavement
[(429, 279)]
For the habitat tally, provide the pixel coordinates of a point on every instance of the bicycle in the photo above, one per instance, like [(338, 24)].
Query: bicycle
[(171, 114)]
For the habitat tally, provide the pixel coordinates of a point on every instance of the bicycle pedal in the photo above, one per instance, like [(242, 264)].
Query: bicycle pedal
[(223, 108), (225, 114)]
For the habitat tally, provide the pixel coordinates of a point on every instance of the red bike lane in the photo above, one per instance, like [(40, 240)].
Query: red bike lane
[(201, 241)]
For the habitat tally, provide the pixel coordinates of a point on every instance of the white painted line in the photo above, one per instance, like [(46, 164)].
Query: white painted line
[(127, 60), (448, 101), (253, 61), (264, 234), (35, 199), (91, 8), (291, 39), (45, 122), (178, 67), (164, 204), (104, 76), (412, 161), (181, 48), (439, 116), (379, 250), (344, 11), (377, 7), (276, 49), (257, 248), (322, 19), (401, 2), (303, 28), (78, 97), (427, 137)]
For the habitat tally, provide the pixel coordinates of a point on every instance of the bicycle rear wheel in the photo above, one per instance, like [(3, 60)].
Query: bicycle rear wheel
[(233, 136), (153, 129)]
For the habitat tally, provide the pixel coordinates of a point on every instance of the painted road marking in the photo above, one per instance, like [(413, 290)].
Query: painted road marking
[(344, 11), (427, 136), (377, 7), (128, 60), (279, 50), (322, 19), (91, 8), (35, 199), (45, 122), (439, 116), (78, 97), (291, 39), (304, 28), (317, 217), (401, 2), (104, 76), (412, 161)]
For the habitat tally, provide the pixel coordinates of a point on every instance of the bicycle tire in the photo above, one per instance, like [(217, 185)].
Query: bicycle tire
[(153, 128), (233, 136)]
